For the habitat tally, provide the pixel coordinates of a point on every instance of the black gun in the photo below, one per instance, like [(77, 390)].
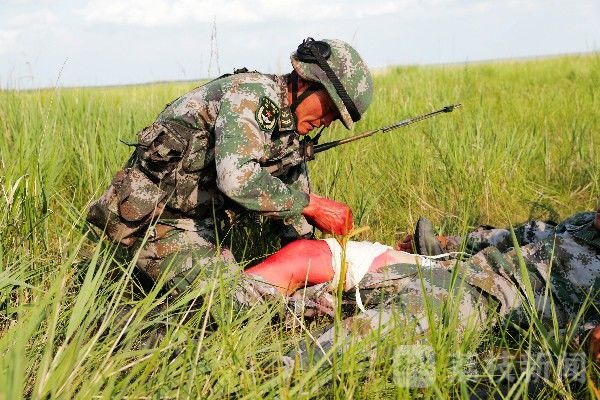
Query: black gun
[(309, 147)]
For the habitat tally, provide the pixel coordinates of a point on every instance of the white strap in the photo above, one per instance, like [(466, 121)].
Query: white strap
[(452, 253)]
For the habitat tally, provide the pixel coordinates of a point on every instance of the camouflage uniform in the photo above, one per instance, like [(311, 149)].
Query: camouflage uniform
[(490, 280), (483, 237), (202, 161), (199, 160)]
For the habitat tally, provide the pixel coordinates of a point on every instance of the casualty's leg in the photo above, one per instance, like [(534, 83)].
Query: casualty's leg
[(311, 262), (427, 242), (415, 297), (490, 284), (298, 262)]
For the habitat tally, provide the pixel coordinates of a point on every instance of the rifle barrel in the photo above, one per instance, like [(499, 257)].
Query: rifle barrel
[(334, 143), (326, 146)]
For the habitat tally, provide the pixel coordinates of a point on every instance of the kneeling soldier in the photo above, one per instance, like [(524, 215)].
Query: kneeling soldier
[(204, 157)]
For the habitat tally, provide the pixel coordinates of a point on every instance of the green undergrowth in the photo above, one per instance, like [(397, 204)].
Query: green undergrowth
[(525, 146)]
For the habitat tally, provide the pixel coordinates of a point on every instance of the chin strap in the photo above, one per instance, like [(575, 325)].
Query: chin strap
[(296, 100), (294, 80)]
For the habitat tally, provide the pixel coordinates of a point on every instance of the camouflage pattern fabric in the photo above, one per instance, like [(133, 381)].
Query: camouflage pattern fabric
[(182, 249), (352, 72), (486, 286), (200, 161), (483, 237)]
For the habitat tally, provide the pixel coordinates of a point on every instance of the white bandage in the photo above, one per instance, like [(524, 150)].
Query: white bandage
[(359, 257)]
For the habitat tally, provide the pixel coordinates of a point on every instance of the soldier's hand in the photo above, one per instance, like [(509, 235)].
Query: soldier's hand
[(328, 215)]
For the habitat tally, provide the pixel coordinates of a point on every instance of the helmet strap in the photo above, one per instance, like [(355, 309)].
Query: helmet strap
[(294, 80)]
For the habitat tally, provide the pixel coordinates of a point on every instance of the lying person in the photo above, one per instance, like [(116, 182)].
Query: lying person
[(565, 259)]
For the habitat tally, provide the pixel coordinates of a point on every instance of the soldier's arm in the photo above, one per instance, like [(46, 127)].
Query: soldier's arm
[(240, 144), (296, 176)]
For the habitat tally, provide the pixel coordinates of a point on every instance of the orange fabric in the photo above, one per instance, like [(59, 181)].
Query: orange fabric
[(594, 344), (443, 241), (298, 262)]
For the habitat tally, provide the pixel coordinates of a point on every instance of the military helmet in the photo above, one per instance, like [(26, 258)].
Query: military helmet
[(339, 68)]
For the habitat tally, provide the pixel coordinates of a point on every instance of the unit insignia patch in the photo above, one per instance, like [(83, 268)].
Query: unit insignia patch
[(266, 114)]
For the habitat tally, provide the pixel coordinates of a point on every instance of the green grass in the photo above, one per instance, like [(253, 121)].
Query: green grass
[(526, 145)]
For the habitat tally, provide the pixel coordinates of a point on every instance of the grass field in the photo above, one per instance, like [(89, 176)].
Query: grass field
[(526, 145)]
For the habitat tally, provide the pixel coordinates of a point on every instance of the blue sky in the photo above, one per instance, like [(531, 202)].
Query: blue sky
[(103, 42)]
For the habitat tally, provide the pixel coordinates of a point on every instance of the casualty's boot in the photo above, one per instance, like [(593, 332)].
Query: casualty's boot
[(426, 242)]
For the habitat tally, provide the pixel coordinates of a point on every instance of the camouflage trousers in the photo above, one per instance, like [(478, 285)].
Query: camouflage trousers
[(562, 267), (181, 249), (189, 254), (484, 237)]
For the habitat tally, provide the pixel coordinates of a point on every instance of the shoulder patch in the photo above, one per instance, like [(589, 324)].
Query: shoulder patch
[(286, 121), (266, 114)]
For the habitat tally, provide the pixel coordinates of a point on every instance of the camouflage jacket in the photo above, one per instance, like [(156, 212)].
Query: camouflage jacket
[(202, 155)]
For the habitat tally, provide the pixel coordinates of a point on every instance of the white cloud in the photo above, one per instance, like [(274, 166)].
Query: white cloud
[(8, 40), (384, 8), (151, 13), (21, 29), (36, 19), (27, 2), (156, 13)]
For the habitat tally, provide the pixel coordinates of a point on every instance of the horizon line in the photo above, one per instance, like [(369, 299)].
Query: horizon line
[(375, 71)]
